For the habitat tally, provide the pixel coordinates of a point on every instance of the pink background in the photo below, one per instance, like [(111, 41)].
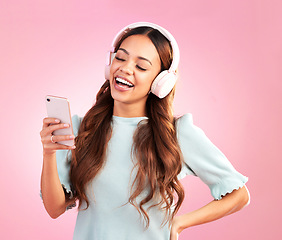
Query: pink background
[(230, 81)]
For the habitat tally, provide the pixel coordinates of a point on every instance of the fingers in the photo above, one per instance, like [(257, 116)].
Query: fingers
[(50, 125), (47, 121), (51, 149), (55, 139), (52, 139), (50, 144), (57, 146), (50, 129), (49, 141)]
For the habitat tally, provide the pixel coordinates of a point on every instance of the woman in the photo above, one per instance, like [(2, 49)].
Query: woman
[(130, 152)]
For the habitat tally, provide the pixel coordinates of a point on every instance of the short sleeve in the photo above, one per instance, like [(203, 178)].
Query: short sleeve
[(63, 158), (203, 159)]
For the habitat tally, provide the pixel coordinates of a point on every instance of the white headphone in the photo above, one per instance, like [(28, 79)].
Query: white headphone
[(165, 81)]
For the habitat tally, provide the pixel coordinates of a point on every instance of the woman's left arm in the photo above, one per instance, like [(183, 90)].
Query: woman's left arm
[(214, 210)]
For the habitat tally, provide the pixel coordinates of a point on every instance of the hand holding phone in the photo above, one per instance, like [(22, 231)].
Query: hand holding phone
[(59, 108)]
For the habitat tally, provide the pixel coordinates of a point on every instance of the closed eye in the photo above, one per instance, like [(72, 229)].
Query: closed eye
[(119, 59), (137, 66), (140, 68)]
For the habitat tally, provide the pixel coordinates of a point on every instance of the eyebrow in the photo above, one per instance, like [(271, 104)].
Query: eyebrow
[(142, 58)]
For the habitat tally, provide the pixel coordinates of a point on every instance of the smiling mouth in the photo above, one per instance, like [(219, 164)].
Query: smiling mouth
[(123, 82)]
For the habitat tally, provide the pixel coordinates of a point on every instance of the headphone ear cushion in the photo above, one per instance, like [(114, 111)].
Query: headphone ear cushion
[(107, 72), (109, 59), (163, 84)]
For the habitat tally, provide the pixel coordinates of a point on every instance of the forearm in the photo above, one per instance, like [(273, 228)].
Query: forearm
[(214, 210), (52, 192)]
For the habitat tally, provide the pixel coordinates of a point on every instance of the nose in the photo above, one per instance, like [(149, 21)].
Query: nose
[(127, 68)]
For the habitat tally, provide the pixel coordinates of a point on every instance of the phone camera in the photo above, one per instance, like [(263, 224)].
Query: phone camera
[(48, 99)]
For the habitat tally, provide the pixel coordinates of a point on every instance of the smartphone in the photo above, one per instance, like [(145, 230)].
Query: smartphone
[(59, 107)]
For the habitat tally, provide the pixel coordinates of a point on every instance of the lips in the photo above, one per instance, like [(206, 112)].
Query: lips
[(122, 84), (123, 81)]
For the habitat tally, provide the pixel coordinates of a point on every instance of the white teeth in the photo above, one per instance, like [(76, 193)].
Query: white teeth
[(124, 82)]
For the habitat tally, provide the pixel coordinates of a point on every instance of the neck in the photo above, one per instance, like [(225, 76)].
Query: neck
[(129, 110)]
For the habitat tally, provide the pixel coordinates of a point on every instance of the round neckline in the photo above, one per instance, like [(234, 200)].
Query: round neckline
[(128, 119)]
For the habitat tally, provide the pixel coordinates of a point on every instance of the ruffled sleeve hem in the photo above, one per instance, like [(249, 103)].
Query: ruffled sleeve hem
[(69, 192), (227, 186)]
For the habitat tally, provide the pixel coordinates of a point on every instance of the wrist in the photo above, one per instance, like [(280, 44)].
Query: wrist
[(48, 155)]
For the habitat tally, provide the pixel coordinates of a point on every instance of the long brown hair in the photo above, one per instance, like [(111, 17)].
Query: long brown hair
[(155, 145)]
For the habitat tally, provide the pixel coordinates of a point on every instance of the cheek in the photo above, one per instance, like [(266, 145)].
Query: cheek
[(111, 70), (153, 77), (147, 81)]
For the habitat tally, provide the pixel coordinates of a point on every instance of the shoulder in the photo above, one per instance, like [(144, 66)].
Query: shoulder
[(185, 125), (184, 119)]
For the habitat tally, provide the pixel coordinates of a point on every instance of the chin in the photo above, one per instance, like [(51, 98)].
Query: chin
[(118, 96)]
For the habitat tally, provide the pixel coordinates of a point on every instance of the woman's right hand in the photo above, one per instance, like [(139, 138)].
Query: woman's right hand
[(49, 141)]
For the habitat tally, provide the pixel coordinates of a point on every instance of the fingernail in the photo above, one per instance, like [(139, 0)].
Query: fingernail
[(66, 125), (57, 120), (73, 147), (71, 137)]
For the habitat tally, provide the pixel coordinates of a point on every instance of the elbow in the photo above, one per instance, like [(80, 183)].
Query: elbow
[(242, 199), (239, 199), (246, 198), (54, 214), (54, 209)]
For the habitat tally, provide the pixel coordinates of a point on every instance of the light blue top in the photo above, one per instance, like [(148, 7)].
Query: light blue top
[(109, 215)]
